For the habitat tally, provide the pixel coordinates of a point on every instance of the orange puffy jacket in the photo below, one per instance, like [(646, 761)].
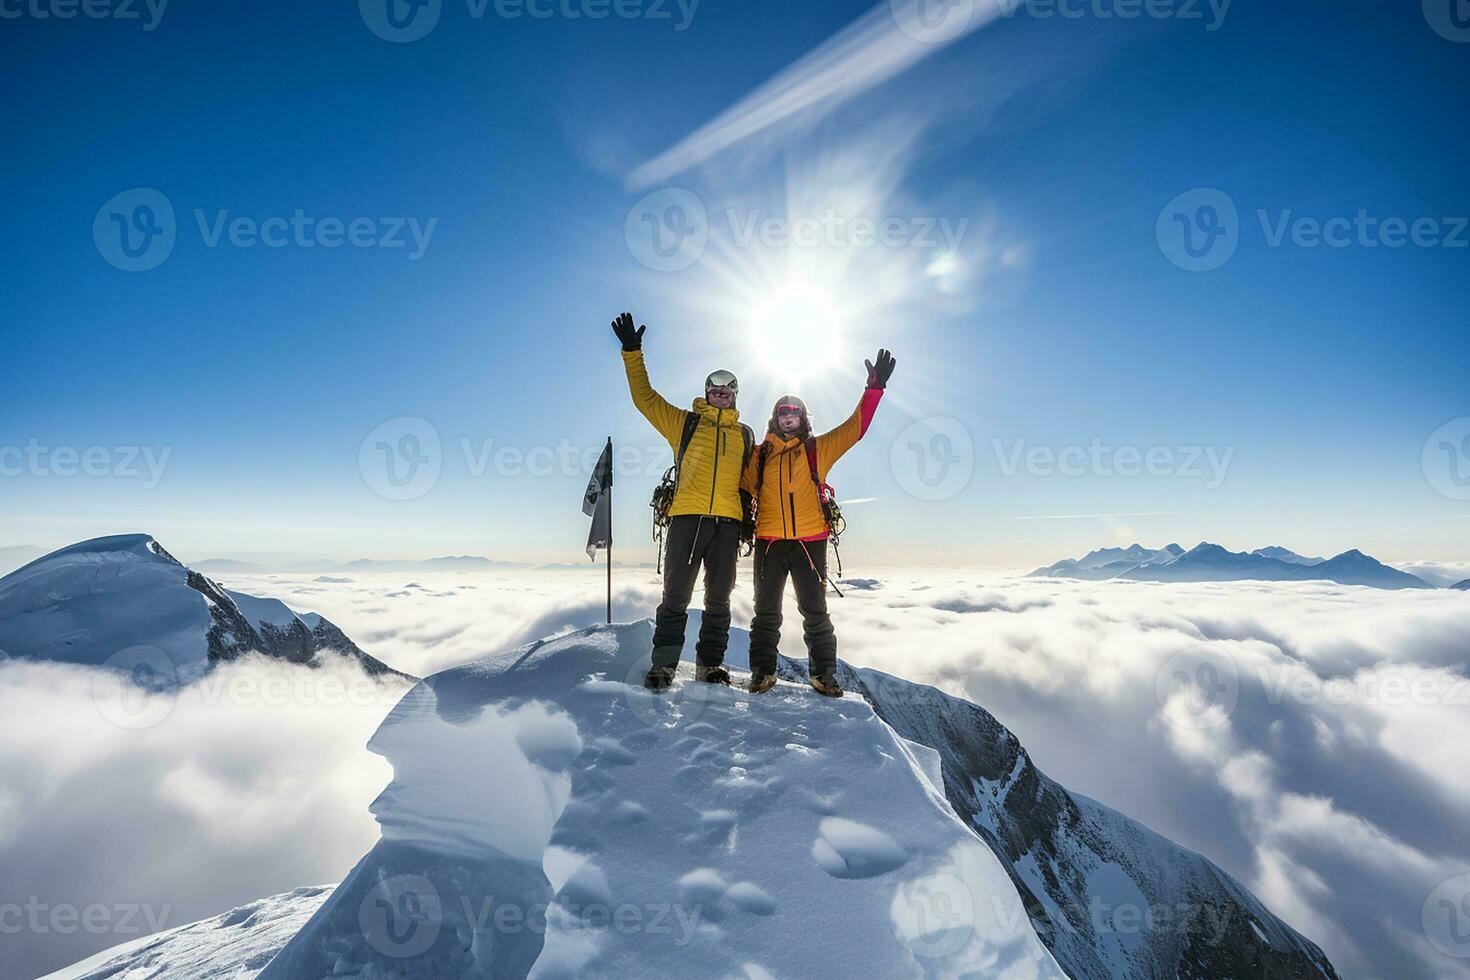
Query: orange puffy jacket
[(787, 506)]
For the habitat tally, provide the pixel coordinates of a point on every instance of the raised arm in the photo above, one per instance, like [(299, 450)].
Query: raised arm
[(832, 445), (666, 418)]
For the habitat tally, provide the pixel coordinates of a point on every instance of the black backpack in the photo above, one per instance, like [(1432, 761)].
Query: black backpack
[(663, 494)]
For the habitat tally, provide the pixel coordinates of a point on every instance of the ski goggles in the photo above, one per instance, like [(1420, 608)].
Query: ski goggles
[(722, 379), (789, 410)]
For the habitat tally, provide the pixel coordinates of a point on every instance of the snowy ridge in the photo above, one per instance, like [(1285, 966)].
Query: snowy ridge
[(124, 599), (540, 795), (548, 819)]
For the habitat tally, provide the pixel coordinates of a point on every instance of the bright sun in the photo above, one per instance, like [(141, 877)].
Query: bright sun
[(797, 332)]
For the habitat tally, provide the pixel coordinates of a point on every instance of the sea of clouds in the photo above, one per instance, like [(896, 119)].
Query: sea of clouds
[(1312, 739)]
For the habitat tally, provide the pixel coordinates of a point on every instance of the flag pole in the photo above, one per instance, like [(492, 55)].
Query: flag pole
[(609, 528)]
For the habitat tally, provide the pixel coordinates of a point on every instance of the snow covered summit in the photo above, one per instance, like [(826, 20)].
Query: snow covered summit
[(104, 600), (550, 818)]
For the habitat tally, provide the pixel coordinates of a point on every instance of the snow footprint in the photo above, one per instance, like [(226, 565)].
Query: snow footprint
[(705, 886), (640, 741), (628, 812), (702, 729), (751, 898), (612, 752), (848, 849), (716, 828), (702, 885), (820, 804)]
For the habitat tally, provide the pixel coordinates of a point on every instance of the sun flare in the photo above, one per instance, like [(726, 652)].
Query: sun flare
[(797, 332)]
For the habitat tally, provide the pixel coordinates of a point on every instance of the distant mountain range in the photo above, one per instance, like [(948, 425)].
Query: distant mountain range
[(1208, 562), (1462, 586), (448, 563), (1106, 563)]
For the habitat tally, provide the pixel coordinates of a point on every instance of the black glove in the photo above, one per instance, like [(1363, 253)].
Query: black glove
[(623, 327), (878, 374)]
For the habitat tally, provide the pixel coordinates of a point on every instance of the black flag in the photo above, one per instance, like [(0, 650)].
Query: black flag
[(597, 503)]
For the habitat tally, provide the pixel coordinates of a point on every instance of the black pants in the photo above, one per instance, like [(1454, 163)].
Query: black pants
[(774, 561), (689, 543)]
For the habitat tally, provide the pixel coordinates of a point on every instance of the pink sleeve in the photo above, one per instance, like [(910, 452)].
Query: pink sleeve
[(869, 407)]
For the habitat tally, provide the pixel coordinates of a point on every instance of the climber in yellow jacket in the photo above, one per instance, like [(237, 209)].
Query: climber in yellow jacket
[(706, 515), (787, 476)]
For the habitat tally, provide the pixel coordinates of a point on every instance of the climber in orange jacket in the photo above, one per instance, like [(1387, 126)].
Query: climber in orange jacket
[(785, 476)]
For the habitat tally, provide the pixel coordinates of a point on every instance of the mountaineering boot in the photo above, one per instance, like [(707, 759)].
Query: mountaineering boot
[(712, 675), (761, 683), (659, 678), (826, 685)]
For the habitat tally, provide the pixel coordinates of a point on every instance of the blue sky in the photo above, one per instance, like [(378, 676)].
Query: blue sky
[(1315, 378)]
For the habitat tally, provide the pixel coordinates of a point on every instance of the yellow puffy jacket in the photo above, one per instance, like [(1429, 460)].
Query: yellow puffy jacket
[(709, 482), (787, 505)]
